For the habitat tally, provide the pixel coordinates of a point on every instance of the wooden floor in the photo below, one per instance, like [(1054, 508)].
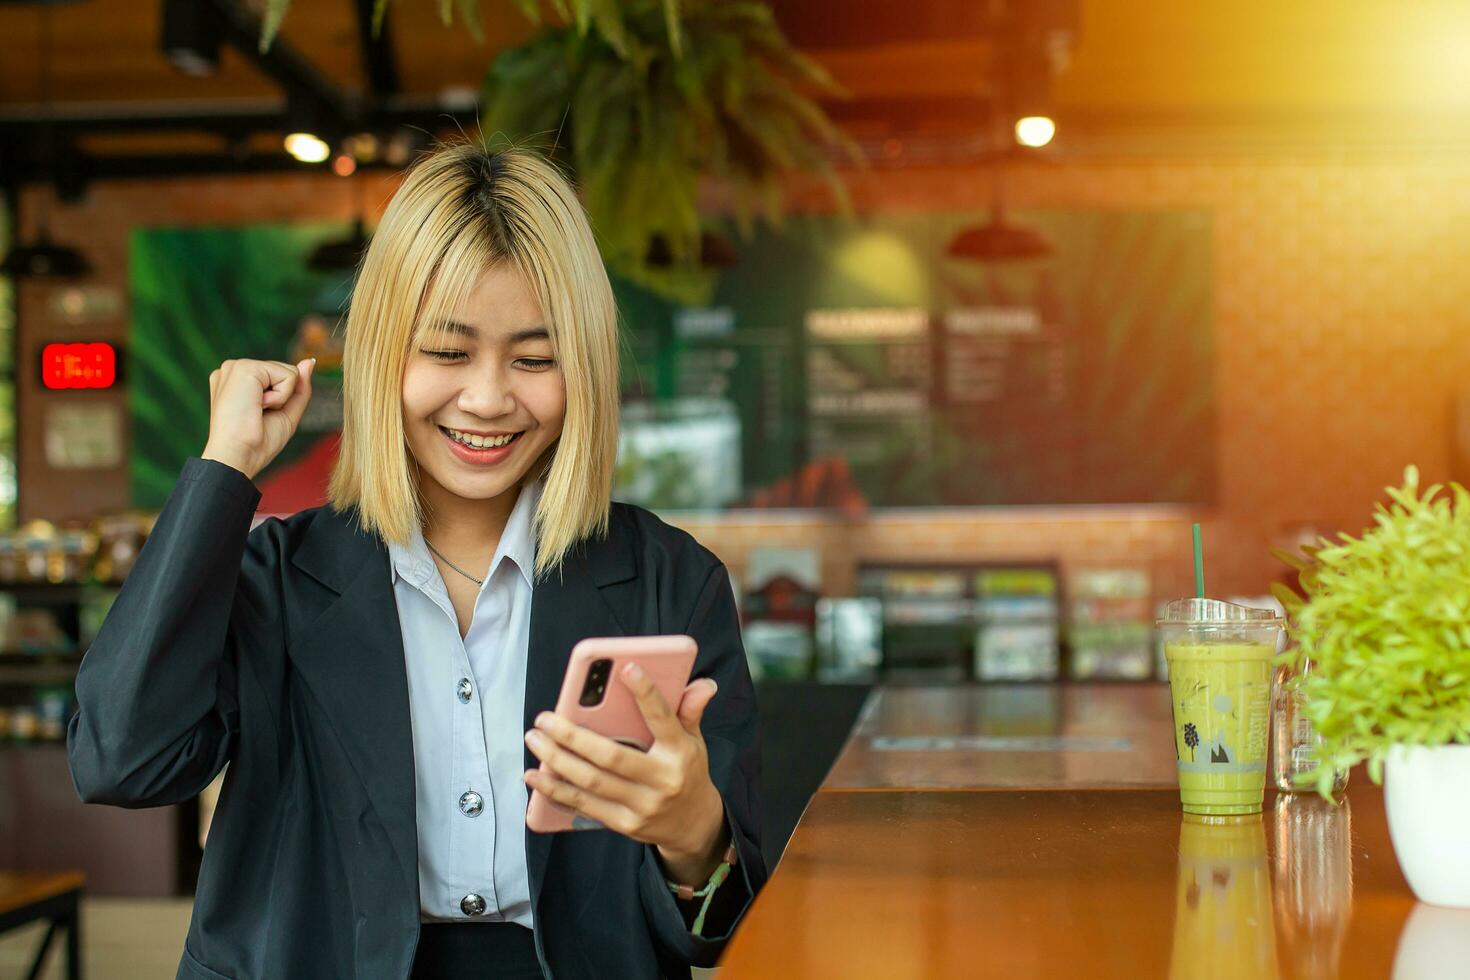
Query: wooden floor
[(122, 939)]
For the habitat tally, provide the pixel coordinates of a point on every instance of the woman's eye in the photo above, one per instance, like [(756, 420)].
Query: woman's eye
[(446, 355), (535, 363)]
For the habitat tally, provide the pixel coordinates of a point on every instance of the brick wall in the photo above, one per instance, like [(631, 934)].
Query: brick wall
[(1339, 310)]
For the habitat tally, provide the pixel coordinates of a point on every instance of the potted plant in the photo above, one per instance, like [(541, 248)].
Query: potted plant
[(1382, 657)]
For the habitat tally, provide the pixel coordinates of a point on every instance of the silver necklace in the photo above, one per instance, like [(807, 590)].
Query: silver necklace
[(477, 581)]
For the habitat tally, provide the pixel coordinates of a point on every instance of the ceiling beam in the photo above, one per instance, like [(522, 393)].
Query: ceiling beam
[(228, 118), (139, 167), (378, 63), (298, 77), (19, 162)]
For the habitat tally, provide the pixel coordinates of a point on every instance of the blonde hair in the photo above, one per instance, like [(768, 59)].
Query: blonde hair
[(461, 210)]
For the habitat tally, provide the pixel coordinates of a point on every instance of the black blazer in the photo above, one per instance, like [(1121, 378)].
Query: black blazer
[(279, 652)]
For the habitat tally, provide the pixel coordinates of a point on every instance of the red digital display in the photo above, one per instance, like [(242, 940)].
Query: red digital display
[(78, 366)]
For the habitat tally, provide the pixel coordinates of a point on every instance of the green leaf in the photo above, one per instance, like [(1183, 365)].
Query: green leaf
[(672, 26), (608, 18), (469, 10), (531, 10), (275, 13), (1290, 559), (1289, 600)]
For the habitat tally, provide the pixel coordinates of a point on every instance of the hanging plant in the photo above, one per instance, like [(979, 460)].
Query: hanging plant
[(640, 116), (603, 15)]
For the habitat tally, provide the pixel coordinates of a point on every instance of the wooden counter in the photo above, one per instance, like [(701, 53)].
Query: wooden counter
[(1074, 881), (1073, 884)]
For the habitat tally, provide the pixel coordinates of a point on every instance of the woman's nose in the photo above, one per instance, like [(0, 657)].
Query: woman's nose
[(488, 395)]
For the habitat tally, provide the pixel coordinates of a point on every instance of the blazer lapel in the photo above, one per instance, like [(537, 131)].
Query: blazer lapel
[(588, 597), (351, 658)]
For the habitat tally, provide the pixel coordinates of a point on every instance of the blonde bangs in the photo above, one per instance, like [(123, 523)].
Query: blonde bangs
[(460, 211)]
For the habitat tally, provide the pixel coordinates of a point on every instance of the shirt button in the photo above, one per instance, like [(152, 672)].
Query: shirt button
[(471, 803), (465, 689), (472, 904)]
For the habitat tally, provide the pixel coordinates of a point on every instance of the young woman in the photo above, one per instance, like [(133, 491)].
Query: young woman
[(379, 673)]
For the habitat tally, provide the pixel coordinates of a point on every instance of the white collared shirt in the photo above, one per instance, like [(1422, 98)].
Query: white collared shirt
[(466, 701)]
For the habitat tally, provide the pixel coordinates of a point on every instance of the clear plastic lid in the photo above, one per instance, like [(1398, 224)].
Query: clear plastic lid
[(1217, 612)]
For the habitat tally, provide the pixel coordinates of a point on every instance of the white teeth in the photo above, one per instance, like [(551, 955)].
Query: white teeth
[(479, 442)]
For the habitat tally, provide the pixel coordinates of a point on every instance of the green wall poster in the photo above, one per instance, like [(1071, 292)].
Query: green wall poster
[(201, 296), (841, 363)]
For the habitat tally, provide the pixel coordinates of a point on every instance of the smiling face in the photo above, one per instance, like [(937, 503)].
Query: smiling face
[(485, 399)]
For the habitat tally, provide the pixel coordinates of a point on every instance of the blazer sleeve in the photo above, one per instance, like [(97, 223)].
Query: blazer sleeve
[(157, 692), (732, 736)]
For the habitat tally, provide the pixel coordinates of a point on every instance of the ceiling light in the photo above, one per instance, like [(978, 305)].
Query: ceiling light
[(1035, 130), (362, 147), (998, 241), (43, 259), (190, 36), (307, 147)]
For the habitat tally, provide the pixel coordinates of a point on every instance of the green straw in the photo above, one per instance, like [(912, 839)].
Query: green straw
[(1199, 565)]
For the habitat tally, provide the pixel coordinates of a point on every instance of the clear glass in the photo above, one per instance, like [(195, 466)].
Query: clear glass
[(1293, 739), (1313, 883)]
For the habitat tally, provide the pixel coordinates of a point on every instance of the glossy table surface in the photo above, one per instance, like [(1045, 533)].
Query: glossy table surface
[(961, 879), (1018, 736)]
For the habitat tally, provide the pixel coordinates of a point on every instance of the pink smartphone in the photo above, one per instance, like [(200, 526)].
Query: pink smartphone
[(593, 696)]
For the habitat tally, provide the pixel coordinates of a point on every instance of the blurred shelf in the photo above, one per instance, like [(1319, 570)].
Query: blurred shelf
[(54, 591), (28, 669), (49, 659)]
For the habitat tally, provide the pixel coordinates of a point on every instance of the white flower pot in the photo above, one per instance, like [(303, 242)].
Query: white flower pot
[(1427, 792), (1435, 944)]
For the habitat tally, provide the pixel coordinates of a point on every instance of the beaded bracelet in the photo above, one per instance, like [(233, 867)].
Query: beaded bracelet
[(686, 893)]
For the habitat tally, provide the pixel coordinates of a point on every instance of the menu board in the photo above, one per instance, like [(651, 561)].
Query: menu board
[(868, 388), (858, 358)]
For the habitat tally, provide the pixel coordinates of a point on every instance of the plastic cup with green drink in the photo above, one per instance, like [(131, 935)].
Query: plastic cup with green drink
[(1220, 668)]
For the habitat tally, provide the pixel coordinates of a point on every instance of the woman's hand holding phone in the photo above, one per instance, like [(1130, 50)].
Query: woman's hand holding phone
[(662, 797), (254, 408)]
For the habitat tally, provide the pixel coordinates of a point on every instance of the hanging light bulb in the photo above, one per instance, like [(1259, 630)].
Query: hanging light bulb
[(307, 147), (1035, 131)]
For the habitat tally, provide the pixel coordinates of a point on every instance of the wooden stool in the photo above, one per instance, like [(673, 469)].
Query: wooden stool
[(26, 896)]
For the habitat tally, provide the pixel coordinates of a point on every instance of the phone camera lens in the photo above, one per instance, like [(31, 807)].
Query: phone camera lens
[(596, 684)]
